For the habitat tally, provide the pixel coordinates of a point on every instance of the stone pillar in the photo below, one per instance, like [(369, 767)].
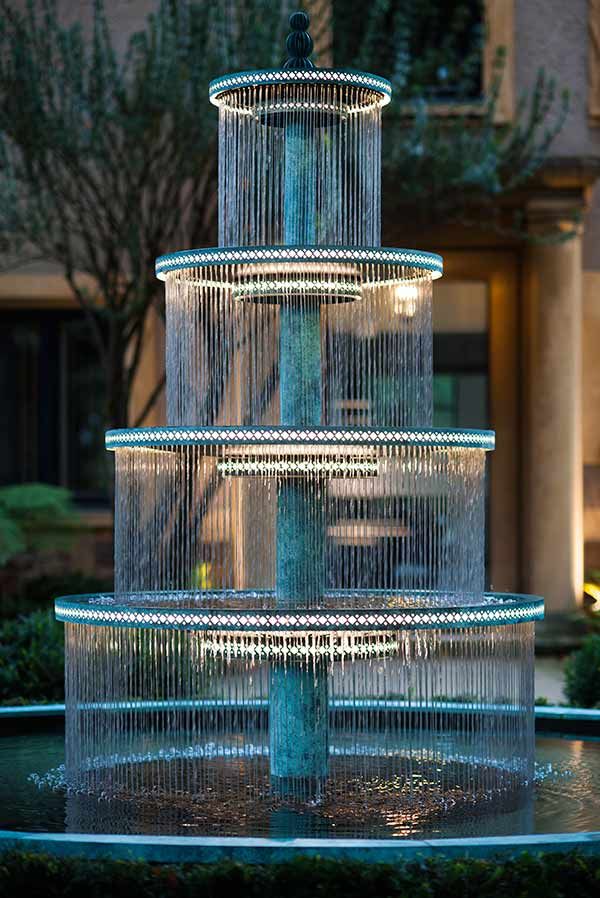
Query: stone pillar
[(552, 493)]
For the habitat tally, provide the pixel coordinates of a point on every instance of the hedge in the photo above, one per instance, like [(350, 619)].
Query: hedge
[(32, 659), (582, 674), (29, 875)]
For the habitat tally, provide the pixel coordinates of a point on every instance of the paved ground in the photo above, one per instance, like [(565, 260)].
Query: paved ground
[(549, 678)]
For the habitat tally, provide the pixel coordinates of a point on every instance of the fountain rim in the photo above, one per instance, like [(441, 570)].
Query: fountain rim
[(344, 77), (335, 437), (432, 263), (100, 609)]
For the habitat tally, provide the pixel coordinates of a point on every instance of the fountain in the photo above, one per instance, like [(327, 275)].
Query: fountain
[(299, 641)]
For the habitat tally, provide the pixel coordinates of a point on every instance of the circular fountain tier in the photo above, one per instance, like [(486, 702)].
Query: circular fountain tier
[(291, 261), (254, 612), (196, 704), (302, 510), (272, 335), (300, 156)]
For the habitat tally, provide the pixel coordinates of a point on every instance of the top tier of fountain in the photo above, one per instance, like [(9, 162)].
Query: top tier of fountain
[(299, 152)]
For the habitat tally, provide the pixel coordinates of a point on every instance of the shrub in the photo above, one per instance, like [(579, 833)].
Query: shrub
[(31, 659), (40, 592), (582, 674), (34, 516), (551, 875)]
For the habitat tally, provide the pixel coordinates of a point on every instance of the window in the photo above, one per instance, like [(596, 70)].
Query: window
[(52, 397), (442, 41), (452, 47), (460, 355)]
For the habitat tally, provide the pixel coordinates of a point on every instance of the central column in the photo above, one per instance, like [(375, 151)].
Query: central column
[(298, 729)]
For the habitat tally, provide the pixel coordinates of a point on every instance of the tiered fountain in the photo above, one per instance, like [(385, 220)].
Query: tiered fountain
[(299, 641)]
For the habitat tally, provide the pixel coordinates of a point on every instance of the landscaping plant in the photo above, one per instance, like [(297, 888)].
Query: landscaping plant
[(582, 674), (550, 876)]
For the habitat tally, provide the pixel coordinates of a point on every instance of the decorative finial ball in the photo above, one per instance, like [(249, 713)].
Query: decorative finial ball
[(299, 21), (299, 44)]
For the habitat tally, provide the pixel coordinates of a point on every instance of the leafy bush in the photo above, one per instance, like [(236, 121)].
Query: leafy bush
[(582, 674), (552, 875), (40, 592), (31, 659), (34, 516)]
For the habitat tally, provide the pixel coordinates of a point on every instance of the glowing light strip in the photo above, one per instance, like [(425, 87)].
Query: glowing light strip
[(304, 287), (256, 78), (237, 255), (229, 645), (314, 436), (234, 467), (503, 609), (343, 110)]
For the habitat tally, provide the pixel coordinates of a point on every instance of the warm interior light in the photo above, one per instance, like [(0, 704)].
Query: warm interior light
[(593, 591), (406, 297)]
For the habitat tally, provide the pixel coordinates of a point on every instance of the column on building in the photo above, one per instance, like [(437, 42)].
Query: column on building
[(552, 399)]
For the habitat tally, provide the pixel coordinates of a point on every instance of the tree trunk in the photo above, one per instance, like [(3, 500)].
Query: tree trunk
[(117, 398)]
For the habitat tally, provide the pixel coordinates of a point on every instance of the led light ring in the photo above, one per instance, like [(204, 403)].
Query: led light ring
[(270, 292), (242, 255), (295, 468), (436, 438), (503, 609), (259, 77)]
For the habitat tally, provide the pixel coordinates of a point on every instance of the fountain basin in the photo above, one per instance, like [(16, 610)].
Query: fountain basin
[(564, 813)]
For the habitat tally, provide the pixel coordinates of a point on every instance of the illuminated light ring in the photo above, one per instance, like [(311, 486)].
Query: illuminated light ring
[(246, 255), (232, 435), (340, 77), (238, 467), (269, 291), (499, 609)]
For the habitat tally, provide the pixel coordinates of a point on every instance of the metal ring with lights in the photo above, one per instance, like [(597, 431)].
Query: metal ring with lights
[(494, 609), (335, 438), (417, 260), (378, 90)]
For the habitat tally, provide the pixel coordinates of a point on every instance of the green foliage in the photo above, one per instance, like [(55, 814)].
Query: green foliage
[(582, 674), (429, 49), (552, 875), (34, 517), (31, 659), (40, 592), (453, 167)]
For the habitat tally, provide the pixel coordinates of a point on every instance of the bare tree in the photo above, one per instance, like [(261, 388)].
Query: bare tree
[(107, 162)]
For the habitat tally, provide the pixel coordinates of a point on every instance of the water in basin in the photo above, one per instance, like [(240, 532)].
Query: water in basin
[(566, 798)]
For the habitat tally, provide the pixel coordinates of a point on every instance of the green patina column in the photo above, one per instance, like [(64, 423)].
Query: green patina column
[(298, 725)]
